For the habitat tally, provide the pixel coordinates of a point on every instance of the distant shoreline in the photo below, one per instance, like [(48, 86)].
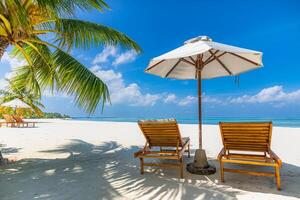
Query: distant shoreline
[(284, 122)]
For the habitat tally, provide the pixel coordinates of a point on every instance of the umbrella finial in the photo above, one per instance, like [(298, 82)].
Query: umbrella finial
[(199, 38)]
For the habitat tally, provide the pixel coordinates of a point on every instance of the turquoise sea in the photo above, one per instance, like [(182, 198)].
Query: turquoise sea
[(284, 122)]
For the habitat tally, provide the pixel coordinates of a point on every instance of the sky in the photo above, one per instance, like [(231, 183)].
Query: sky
[(269, 26)]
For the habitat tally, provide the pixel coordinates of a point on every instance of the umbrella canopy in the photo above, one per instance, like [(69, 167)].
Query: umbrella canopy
[(201, 58), (16, 103), (218, 60)]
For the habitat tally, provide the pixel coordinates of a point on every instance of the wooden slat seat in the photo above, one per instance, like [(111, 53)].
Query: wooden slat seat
[(16, 121), (9, 120), (248, 143), (21, 123), (165, 135)]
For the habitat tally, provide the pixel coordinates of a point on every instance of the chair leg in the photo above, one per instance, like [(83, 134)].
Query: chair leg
[(277, 175), (189, 153), (181, 167), (221, 171), (142, 165)]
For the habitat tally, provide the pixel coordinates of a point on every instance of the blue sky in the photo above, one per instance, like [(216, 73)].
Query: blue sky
[(272, 27)]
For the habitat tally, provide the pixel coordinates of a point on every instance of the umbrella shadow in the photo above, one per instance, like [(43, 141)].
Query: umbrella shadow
[(107, 171)]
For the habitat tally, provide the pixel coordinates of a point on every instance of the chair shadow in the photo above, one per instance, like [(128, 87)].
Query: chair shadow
[(106, 171), (290, 178), (109, 171)]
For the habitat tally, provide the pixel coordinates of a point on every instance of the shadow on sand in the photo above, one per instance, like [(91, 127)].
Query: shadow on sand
[(8, 150), (109, 171)]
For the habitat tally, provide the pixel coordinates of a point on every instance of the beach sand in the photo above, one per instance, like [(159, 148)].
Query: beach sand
[(86, 160)]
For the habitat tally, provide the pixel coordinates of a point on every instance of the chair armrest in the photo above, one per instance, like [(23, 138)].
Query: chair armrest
[(141, 151), (275, 157), (182, 150), (221, 154), (136, 154)]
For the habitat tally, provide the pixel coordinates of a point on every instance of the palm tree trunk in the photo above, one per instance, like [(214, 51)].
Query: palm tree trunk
[(2, 160), (3, 46)]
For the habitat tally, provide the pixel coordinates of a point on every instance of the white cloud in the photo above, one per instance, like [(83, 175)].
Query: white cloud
[(3, 84), (125, 57), (121, 93), (269, 95), (187, 100), (113, 55), (12, 61), (170, 98), (107, 52), (210, 99), (274, 95)]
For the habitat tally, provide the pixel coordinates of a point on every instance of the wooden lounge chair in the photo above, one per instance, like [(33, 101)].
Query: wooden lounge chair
[(9, 120), (248, 144), (21, 123), (163, 141)]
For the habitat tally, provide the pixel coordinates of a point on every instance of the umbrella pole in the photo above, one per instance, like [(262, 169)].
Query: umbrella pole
[(200, 164), (199, 66), (200, 108)]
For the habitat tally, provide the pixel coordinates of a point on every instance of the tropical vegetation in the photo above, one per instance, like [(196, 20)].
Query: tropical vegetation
[(43, 32), (30, 98)]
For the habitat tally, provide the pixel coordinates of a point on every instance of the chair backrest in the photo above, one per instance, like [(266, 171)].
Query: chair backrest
[(246, 136), (8, 118), (18, 119), (161, 133)]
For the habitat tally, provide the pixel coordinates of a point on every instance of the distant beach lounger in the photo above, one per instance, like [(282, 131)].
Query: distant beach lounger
[(248, 144), (15, 121), (21, 123), (9, 120), (164, 135)]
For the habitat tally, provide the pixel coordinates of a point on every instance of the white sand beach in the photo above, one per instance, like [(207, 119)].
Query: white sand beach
[(65, 159)]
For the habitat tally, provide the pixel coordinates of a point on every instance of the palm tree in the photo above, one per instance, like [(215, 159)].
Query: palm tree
[(43, 32), (13, 92)]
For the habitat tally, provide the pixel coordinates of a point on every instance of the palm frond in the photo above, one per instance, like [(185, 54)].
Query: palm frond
[(41, 71), (25, 78), (23, 94), (77, 80), (83, 34), (16, 14), (69, 7), (48, 64)]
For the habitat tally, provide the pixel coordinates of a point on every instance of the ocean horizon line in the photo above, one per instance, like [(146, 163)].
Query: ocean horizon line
[(282, 122)]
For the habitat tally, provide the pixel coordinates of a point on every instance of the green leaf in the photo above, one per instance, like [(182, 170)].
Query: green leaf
[(78, 81), (41, 73), (69, 7), (83, 34), (49, 66), (24, 95)]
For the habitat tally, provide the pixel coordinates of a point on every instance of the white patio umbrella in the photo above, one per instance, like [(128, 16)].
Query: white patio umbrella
[(201, 58), (16, 103)]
